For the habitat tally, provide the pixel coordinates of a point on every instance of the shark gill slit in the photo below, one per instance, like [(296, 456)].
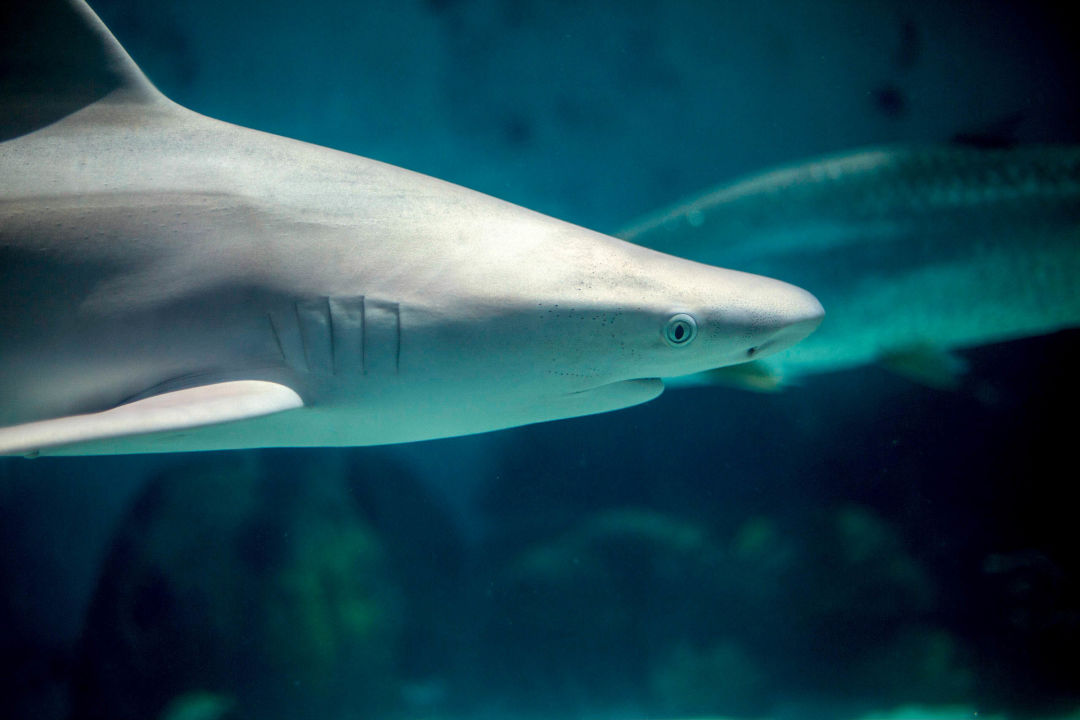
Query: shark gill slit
[(363, 336), (397, 338), (346, 327), (339, 335), (277, 337), (300, 333), (333, 345), (382, 337)]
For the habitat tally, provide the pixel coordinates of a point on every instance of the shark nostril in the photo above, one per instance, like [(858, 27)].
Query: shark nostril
[(750, 353)]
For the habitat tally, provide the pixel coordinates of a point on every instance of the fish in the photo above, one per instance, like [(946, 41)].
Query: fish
[(170, 282), (917, 251)]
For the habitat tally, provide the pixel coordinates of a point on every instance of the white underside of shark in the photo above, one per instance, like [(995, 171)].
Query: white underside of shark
[(169, 282)]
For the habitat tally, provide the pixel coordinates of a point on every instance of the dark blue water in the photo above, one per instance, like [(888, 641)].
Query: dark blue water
[(857, 544)]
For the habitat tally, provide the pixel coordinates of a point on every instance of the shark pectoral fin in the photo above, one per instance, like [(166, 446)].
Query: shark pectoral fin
[(926, 365), (172, 411), (753, 376)]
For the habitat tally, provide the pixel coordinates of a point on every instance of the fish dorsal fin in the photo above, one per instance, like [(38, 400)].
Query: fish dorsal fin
[(57, 57)]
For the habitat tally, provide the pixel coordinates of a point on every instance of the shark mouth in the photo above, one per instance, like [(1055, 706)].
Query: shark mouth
[(619, 394)]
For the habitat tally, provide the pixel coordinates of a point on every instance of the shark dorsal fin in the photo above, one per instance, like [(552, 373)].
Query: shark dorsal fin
[(57, 57)]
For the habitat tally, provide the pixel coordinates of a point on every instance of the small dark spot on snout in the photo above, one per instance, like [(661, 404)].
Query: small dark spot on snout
[(751, 352)]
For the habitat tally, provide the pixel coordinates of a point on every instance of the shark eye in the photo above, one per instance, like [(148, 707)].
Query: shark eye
[(680, 329)]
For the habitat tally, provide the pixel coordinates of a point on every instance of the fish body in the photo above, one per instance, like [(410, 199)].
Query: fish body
[(913, 250)]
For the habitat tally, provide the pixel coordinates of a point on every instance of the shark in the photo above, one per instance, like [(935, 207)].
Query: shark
[(918, 251), (170, 282)]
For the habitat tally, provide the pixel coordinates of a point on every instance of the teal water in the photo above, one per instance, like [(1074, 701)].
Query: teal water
[(858, 546)]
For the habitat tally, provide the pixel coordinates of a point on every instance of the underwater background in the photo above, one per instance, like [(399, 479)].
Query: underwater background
[(854, 546)]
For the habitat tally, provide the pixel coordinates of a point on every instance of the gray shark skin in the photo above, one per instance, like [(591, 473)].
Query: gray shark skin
[(169, 282), (916, 251)]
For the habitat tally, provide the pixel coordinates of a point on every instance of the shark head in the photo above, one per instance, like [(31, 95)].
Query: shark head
[(562, 321)]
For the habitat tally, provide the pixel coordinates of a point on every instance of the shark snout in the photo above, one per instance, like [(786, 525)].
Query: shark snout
[(798, 313)]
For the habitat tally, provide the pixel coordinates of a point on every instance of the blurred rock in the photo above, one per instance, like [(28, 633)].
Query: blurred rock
[(653, 612), (199, 706), (1031, 612), (250, 578), (427, 554), (851, 576), (582, 619), (700, 681), (836, 593), (921, 665)]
